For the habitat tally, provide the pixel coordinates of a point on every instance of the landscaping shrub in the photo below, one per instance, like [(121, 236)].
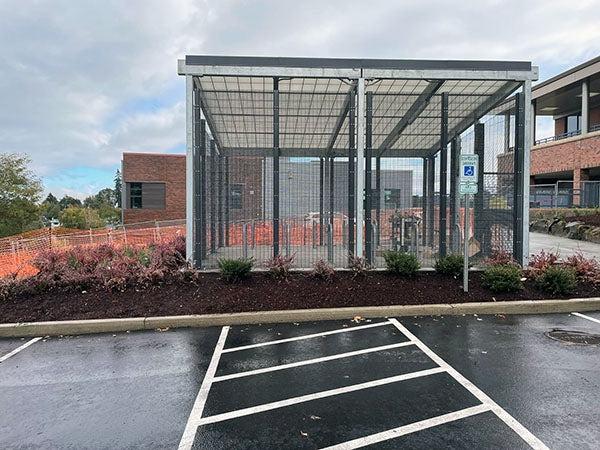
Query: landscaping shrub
[(235, 270), (323, 270), (401, 263), (557, 280), (108, 266), (358, 265), (542, 261), (500, 258), (279, 266), (586, 269), (502, 278), (450, 265)]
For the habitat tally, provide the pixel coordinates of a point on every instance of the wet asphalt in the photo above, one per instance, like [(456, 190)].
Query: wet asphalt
[(136, 390)]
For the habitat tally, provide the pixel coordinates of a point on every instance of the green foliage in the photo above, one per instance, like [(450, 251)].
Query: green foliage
[(401, 263), (503, 278), (81, 218), (450, 265), (20, 191), (234, 270), (118, 188), (67, 201), (557, 280)]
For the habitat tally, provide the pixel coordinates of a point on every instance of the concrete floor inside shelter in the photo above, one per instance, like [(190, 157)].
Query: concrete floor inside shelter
[(418, 382)]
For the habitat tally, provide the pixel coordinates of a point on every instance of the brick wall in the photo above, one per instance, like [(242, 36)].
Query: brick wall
[(170, 169), (566, 155)]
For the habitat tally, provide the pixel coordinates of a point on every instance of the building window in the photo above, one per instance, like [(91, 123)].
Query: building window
[(135, 195), (573, 124), (392, 198), (145, 195), (236, 199)]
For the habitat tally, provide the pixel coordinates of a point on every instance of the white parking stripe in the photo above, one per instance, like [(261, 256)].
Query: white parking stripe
[(317, 395), (311, 361), (307, 336), (18, 349), (523, 432), (583, 316), (187, 440), (410, 428)]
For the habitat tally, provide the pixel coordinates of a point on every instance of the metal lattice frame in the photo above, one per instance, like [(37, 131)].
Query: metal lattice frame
[(311, 108)]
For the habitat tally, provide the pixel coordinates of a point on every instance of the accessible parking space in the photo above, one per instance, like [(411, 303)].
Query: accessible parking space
[(413, 382)]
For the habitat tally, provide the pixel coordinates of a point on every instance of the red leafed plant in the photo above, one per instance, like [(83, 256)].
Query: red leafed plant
[(323, 269), (586, 269), (280, 266), (501, 258), (542, 261)]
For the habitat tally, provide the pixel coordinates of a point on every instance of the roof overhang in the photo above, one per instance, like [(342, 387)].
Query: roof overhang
[(236, 95)]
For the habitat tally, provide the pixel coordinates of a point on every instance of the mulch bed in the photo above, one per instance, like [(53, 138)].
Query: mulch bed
[(209, 294)]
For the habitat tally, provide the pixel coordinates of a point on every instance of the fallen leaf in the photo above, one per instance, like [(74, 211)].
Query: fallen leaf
[(357, 319), (303, 433), (315, 417), (162, 329)]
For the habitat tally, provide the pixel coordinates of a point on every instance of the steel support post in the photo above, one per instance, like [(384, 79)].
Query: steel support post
[(203, 199), (454, 196), (481, 227), (199, 129), (430, 199), (518, 185), (424, 202), (227, 194), (368, 156), (360, 166), (331, 190), (321, 205), (351, 171), (443, 176), (220, 185), (190, 173), (378, 199), (213, 197), (276, 166), (528, 113)]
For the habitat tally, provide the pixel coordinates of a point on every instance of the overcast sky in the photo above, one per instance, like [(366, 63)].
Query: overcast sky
[(83, 81)]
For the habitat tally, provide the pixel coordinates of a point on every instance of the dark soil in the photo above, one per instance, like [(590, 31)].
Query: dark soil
[(209, 294)]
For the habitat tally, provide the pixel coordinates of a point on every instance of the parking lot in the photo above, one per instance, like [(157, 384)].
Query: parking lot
[(425, 382)]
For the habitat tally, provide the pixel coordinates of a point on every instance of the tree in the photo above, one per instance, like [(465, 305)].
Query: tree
[(118, 188), (51, 199), (82, 218), (67, 201), (106, 197), (20, 191)]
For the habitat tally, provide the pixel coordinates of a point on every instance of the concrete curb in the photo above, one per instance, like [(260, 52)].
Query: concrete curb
[(71, 327)]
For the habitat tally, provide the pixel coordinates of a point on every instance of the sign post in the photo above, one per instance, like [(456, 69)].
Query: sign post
[(469, 165)]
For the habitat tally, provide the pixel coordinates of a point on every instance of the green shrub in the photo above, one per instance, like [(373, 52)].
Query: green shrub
[(557, 280), (450, 265), (503, 278), (401, 263), (234, 270)]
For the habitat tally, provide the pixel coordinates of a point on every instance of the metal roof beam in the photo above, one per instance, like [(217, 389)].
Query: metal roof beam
[(318, 152), (481, 111), (411, 115), (208, 116), (341, 117)]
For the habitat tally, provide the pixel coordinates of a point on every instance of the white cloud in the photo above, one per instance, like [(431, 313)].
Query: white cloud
[(70, 71)]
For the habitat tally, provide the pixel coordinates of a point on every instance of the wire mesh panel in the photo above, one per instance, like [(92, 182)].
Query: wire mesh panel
[(281, 174)]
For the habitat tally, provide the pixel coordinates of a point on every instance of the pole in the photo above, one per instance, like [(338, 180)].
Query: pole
[(466, 245)]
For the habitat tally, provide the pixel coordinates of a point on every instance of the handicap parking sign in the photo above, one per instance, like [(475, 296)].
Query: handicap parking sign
[(469, 166)]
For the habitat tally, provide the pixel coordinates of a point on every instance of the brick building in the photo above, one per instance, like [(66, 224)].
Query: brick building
[(565, 167), (154, 187)]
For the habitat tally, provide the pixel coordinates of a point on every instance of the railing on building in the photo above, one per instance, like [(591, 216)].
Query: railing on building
[(562, 195), (558, 137)]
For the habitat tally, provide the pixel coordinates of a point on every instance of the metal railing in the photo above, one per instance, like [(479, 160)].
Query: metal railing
[(558, 137)]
